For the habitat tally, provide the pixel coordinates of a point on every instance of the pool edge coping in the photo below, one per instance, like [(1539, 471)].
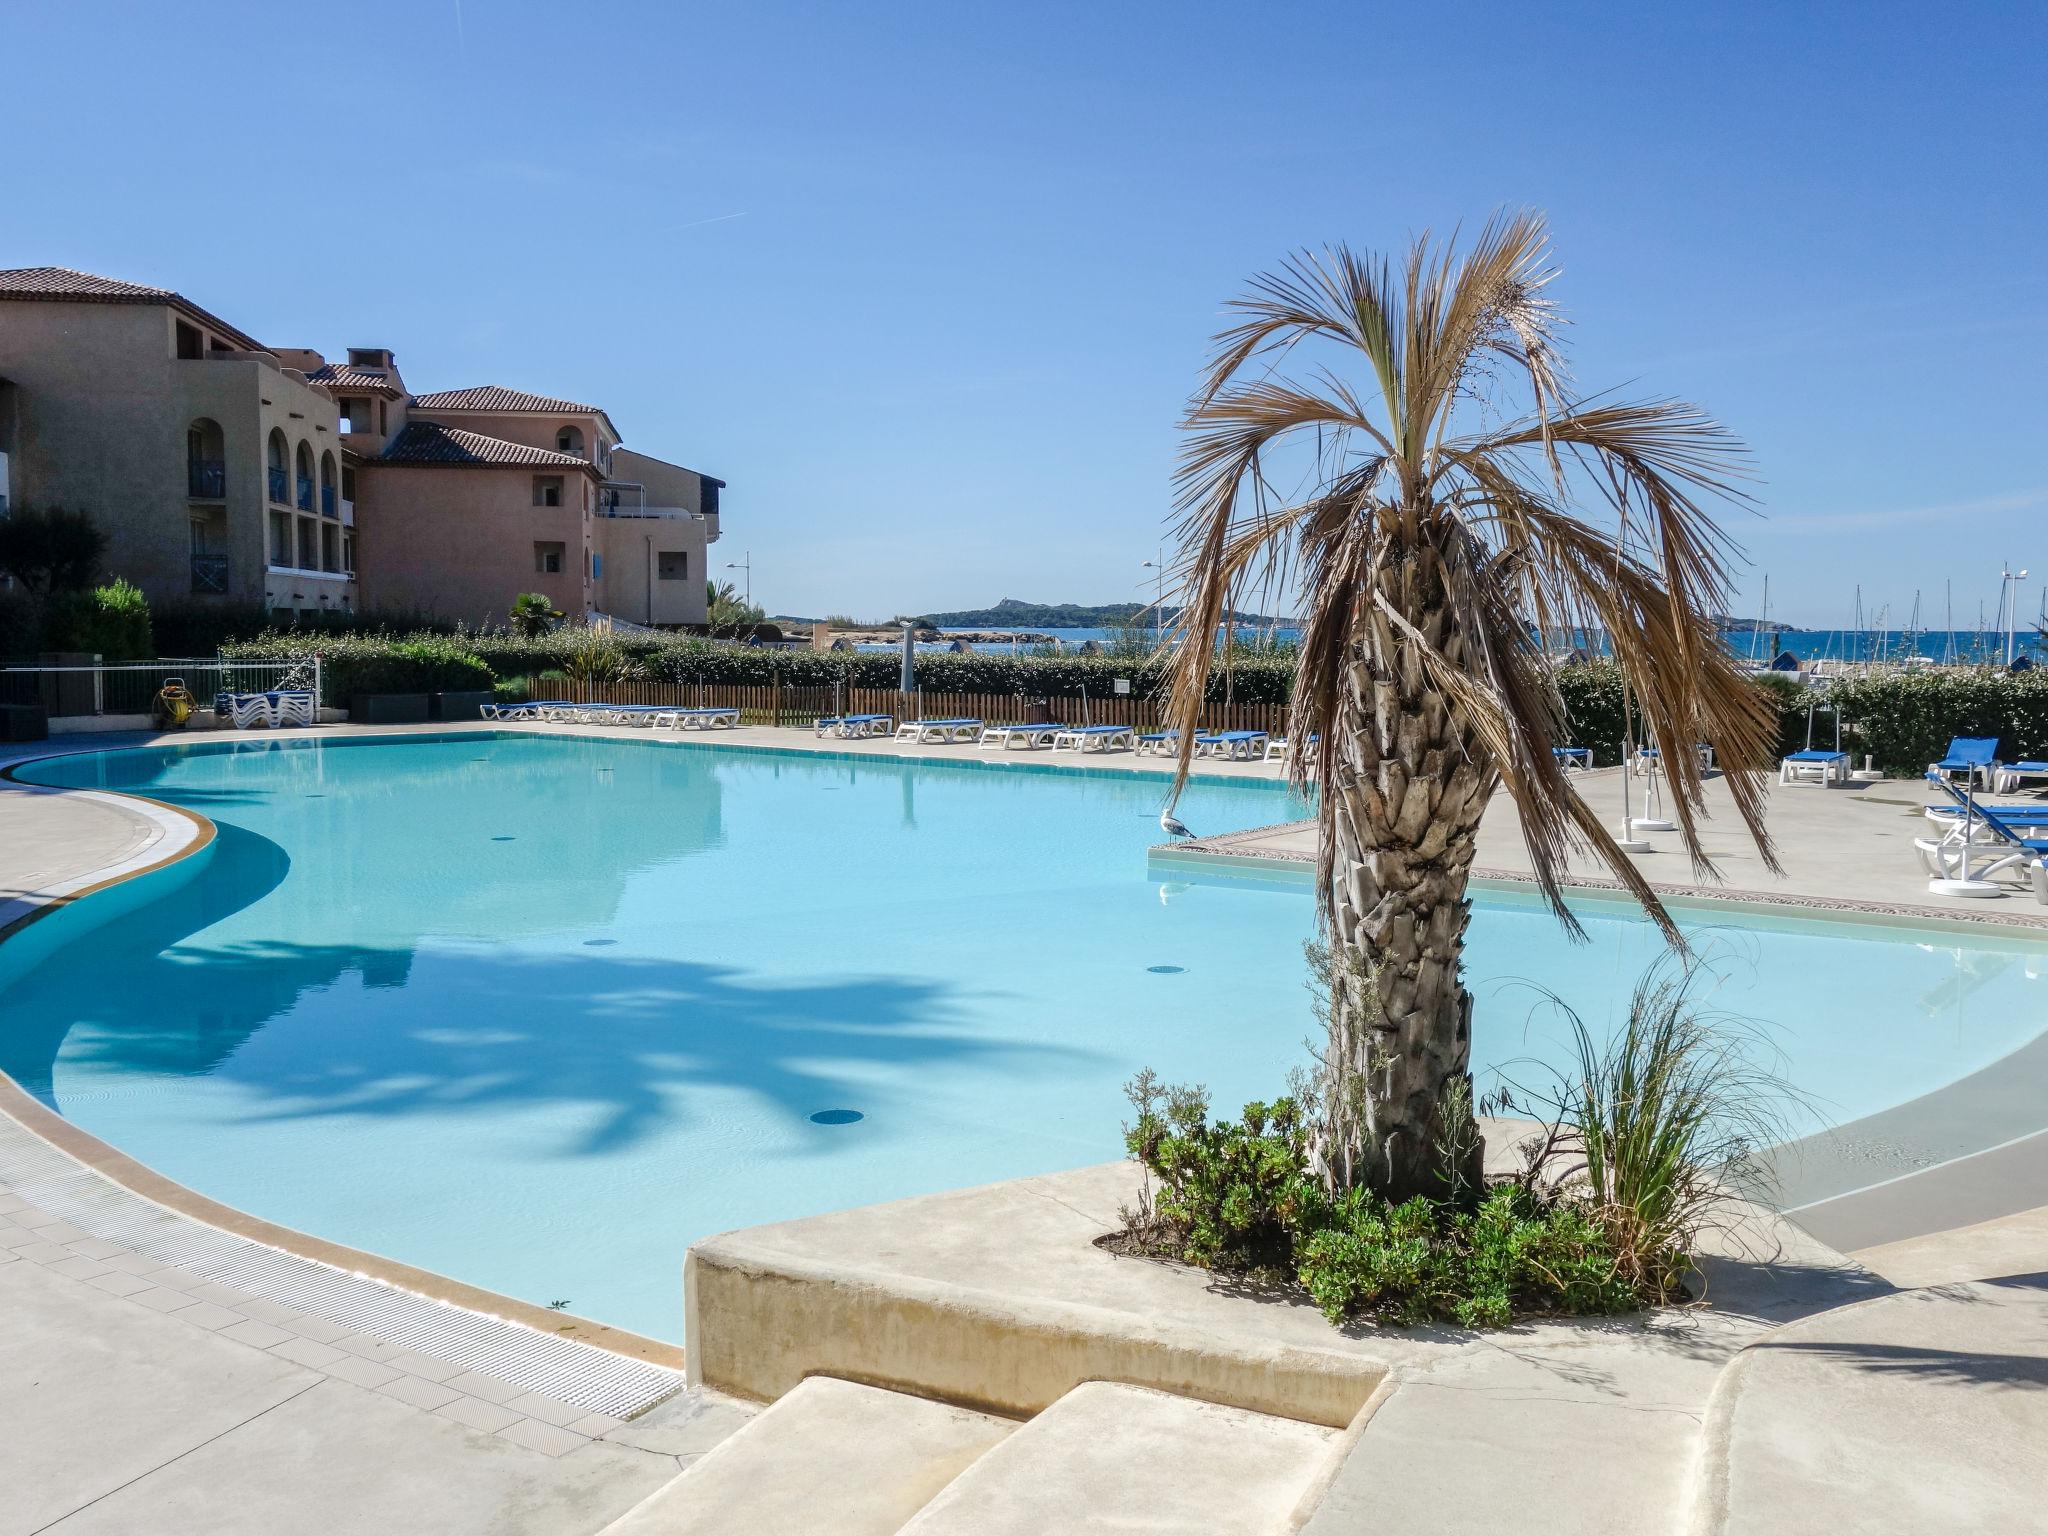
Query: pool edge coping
[(138, 1178)]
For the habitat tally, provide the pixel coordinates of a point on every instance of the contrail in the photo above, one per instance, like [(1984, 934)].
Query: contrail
[(719, 219)]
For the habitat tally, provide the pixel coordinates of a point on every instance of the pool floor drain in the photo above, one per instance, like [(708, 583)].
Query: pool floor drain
[(836, 1117), (504, 839), (1166, 970), (598, 943)]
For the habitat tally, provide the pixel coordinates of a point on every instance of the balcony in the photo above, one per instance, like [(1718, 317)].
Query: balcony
[(327, 508), (305, 493), (280, 486), (206, 479), (210, 575)]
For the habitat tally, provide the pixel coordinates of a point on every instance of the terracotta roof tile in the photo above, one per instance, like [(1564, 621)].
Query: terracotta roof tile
[(66, 285), (423, 442), (491, 397), (342, 376)]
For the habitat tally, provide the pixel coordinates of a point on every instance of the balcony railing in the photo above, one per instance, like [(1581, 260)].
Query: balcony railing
[(280, 486), (305, 493), (327, 501), (206, 479), (210, 574)]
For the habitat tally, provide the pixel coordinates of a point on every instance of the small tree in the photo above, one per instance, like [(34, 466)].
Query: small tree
[(50, 549), (727, 613), (533, 615)]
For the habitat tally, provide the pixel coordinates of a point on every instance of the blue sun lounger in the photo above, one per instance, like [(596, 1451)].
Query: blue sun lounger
[(1159, 742), (1976, 756), (1237, 746), (2009, 846), (1095, 738), (1819, 763), (1029, 737), (944, 732), (1573, 757), (2007, 778)]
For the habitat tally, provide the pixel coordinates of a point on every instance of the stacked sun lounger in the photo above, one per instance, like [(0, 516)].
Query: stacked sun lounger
[(851, 727), (284, 706), (1030, 737), (939, 732), (1985, 841), (1095, 738), (2010, 777)]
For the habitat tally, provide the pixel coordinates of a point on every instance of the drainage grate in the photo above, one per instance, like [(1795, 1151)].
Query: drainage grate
[(593, 1379)]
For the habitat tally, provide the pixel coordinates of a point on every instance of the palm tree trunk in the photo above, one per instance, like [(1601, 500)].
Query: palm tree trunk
[(1401, 818)]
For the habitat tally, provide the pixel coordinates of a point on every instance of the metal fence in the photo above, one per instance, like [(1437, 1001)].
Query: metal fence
[(129, 687)]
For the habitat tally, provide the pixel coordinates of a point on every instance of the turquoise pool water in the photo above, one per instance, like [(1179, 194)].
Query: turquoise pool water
[(537, 1012)]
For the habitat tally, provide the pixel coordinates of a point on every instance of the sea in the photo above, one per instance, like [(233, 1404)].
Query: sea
[(1962, 647)]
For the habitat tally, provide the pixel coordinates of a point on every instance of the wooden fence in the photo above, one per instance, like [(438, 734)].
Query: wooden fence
[(785, 704)]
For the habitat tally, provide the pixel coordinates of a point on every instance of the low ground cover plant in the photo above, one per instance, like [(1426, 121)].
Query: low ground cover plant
[(1644, 1134)]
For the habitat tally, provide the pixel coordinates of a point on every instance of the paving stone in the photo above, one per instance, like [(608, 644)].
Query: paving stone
[(368, 1348), (477, 1414), (548, 1439), (224, 1295), (9, 1204), (707, 1426), (97, 1248), (424, 1366), (175, 1279), (307, 1352), (162, 1300), (46, 1253), (114, 1283), (271, 1312), (549, 1410), (134, 1264), (207, 1314), (595, 1424), (418, 1391), (318, 1329), (251, 1331), (364, 1373), (79, 1267), (492, 1389), (38, 1219), (57, 1231), (18, 1238)]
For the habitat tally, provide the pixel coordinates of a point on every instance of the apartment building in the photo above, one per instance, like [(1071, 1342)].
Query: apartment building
[(313, 485)]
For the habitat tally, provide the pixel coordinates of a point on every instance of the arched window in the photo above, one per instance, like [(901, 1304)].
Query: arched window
[(206, 469), (327, 487), (570, 440), (280, 472), (305, 463)]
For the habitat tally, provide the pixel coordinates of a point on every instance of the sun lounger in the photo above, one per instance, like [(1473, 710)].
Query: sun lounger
[(1237, 746), (852, 727), (2010, 776), (1816, 765), (2012, 849), (1976, 756), (249, 709), (1029, 737), (1161, 743), (1646, 758), (711, 717), (1095, 738), (2034, 813), (943, 732), (1277, 746), (1580, 758)]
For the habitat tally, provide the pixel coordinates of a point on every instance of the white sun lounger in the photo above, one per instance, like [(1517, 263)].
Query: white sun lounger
[(1237, 746), (939, 731), (1095, 738), (707, 718), (853, 727), (1003, 737)]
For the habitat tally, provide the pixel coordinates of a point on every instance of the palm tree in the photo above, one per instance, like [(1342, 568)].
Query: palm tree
[(1459, 503)]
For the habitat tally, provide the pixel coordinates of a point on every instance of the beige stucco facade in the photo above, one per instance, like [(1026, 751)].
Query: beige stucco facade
[(462, 542), (221, 470), (169, 454)]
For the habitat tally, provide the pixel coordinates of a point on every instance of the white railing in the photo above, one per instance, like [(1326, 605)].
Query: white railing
[(128, 688)]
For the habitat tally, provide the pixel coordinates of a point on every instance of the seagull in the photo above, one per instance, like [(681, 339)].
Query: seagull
[(1172, 825)]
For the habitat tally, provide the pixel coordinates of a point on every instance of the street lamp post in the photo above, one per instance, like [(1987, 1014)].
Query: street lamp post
[(2009, 600), (747, 565), (1159, 604)]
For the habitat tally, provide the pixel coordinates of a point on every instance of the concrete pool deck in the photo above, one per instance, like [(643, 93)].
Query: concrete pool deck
[(212, 1424)]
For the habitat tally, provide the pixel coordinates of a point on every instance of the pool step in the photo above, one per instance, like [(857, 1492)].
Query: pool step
[(829, 1456), (1118, 1458)]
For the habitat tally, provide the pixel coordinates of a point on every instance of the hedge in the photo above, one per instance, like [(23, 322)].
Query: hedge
[(1905, 719)]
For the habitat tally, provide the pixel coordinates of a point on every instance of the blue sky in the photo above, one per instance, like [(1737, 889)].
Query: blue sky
[(927, 284)]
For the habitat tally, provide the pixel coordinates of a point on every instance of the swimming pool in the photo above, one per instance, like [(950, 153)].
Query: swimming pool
[(537, 1011)]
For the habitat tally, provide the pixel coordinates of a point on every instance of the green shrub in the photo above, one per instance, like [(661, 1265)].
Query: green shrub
[(1592, 708), (1905, 719), (112, 620), (353, 664)]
